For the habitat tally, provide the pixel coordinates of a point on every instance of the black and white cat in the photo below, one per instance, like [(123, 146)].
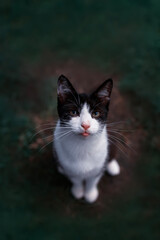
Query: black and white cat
[(81, 139)]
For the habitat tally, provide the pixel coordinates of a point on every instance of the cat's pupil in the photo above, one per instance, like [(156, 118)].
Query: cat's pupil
[(95, 114), (73, 112)]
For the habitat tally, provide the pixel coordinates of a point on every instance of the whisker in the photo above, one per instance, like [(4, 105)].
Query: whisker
[(41, 131), (120, 130), (67, 126), (45, 124), (122, 142), (50, 128), (60, 133), (118, 134), (118, 147), (118, 139), (122, 139), (48, 136), (45, 146), (63, 135), (50, 124), (52, 141), (113, 123)]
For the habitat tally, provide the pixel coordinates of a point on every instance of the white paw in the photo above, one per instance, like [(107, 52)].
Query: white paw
[(77, 191), (92, 195), (113, 168)]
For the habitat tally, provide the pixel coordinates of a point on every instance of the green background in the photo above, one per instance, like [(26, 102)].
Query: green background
[(124, 34)]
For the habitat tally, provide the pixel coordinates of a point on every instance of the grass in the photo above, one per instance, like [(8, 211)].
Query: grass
[(119, 36)]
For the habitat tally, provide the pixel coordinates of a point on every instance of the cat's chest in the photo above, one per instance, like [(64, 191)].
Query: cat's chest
[(82, 157)]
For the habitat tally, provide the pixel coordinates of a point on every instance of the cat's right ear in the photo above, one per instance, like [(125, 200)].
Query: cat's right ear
[(103, 93), (64, 89)]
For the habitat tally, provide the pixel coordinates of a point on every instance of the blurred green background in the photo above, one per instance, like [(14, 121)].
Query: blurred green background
[(122, 37)]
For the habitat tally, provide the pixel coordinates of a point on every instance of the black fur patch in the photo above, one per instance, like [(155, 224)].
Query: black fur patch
[(69, 100)]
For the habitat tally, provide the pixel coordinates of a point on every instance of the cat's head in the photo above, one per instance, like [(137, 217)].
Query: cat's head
[(84, 114)]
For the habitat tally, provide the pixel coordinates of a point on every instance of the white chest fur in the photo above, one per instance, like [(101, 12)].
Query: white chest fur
[(80, 156)]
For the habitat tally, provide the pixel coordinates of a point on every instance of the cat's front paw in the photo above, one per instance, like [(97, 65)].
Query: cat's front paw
[(91, 195), (77, 191)]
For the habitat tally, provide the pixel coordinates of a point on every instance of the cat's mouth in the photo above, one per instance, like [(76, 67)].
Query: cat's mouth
[(85, 134)]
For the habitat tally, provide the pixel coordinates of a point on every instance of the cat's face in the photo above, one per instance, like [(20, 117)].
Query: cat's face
[(84, 114)]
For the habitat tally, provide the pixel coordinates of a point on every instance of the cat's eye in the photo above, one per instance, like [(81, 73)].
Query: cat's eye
[(73, 113), (95, 114)]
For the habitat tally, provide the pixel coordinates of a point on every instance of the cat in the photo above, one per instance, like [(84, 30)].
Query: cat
[(81, 139)]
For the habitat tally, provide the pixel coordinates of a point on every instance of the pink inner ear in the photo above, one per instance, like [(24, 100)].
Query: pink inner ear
[(103, 93), (62, 89), (62, 92), (104, 99)]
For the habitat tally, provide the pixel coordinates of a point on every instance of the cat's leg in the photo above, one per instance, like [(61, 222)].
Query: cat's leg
[(91, 191), (113, 167), (77, 189)]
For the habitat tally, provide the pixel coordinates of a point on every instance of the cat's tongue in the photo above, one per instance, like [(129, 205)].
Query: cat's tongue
[(85, 134)]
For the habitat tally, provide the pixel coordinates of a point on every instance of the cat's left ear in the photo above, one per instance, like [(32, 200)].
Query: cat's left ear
[(103, 93), (65, 89)]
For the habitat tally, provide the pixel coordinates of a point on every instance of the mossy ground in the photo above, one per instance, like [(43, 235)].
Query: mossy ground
[(39, 41)]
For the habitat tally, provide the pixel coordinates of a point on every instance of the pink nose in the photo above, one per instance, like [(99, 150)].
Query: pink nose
[(85, 126)]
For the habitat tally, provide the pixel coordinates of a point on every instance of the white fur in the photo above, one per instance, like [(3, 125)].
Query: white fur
[(113, 167), (77, 191), (82, 158), (84, 118), (79, 155), (92, 195)]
